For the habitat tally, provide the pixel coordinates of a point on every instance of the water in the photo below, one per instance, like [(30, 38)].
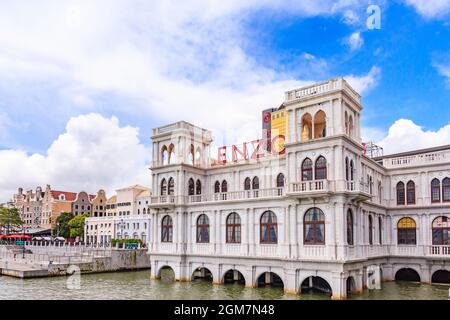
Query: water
[(138, 286)]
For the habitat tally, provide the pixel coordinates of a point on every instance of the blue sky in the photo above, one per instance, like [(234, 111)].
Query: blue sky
[(127, 68)]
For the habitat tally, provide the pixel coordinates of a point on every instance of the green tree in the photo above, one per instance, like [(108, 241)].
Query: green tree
[(10, 219), (76, 225), (62, 225)]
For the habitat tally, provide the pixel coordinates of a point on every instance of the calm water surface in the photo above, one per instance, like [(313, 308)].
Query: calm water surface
[(137, 285)]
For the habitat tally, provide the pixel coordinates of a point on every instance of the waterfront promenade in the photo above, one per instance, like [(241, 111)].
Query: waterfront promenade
[(38, 260)]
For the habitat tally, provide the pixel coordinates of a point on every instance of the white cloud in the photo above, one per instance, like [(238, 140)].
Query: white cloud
[(405, 135), (444, 70), (430, 8), (355, 41), (364, 83), (93, 153)]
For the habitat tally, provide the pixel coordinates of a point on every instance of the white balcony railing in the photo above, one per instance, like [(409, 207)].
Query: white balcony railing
[(237, 195), (439, 251), (310, 186), (418, 159)]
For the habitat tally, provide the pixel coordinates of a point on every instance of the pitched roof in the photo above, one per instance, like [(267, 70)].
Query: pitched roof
[(70, 196)]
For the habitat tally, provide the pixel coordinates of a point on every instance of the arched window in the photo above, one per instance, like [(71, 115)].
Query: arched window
[(167, 229), (380, 230), (164, 187), (346, 122), (191, 155), (280, 180), (347, 169), (314, 227), (435, 190), (320, 125), (446, 190), (350, 126), (321, 168), (217, 187), (255, 183), (172, 157), (350, 241), (247, 184), (370, 230), (191, 187), (411, 192), (164, 156), (406, 231), (306, 127), (233, 228), (203, 229), (441, 231), (224, 186), (171, 187), (352, 171), (268, 228), (198, 187), (198, 157), (144, 211), (400, 194), (307, 170)]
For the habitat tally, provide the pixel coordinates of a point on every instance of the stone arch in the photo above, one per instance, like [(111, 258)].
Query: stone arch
[(202, 273), (316, 284), (441, 276), (350, 285), (307, 133), (269, 278), (234, 276), (320, 124), (171, 275), (407, 274), (172, 155)]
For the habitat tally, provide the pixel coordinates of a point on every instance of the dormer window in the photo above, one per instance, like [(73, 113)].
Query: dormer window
[(62, 197)]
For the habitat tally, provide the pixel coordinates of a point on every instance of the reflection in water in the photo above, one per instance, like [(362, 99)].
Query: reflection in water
[(137, 285)]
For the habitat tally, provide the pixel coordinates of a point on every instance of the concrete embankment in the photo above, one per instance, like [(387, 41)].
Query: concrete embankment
[(119, 260)]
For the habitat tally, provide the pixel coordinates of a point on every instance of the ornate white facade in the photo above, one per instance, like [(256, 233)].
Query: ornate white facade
[(321, 215)]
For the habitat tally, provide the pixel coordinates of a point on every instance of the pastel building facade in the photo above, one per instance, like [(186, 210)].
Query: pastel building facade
[(320, 215)]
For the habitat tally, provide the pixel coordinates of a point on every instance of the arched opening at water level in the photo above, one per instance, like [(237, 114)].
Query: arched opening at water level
[(441, 277), (270, 279), (316, 285), (233, 277), (407, 274), (202, 274)]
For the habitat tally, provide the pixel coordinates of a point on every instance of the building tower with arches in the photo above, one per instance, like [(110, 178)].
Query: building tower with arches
[(320, 216)]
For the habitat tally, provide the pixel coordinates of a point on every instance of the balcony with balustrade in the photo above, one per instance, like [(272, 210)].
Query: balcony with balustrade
[(360, 190), (314, 188), (243, 195)]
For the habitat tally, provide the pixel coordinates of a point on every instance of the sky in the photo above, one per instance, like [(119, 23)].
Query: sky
[(82, 83)]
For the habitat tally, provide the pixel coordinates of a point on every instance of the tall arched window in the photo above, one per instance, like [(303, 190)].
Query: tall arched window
[(167, 229), (350, 126), (350, 241), (164, 187), (380, 230), (411, 192), (233, 228), (370, 230), (217, 187), (191, 187), (441, 231), (198, 187), (307, 170), (198, 157), (400, 194), (171, 187), (255, 183), (446, 190), (280, 180), (320, 125), (352, 171), (435, 190), (164, 155), (306, 127), (346, 122), (268, 228), (191, 155), (203, 229), (314, 227), (406, 231), (347, 169), (224, 186), (321, 168), (172, 157), (247, 184)]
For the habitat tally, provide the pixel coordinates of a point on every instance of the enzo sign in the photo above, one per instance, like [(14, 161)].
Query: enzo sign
[(251, 150)]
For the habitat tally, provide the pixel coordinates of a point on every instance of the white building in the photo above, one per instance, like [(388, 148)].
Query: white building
[(126, 217), (320, 215)]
